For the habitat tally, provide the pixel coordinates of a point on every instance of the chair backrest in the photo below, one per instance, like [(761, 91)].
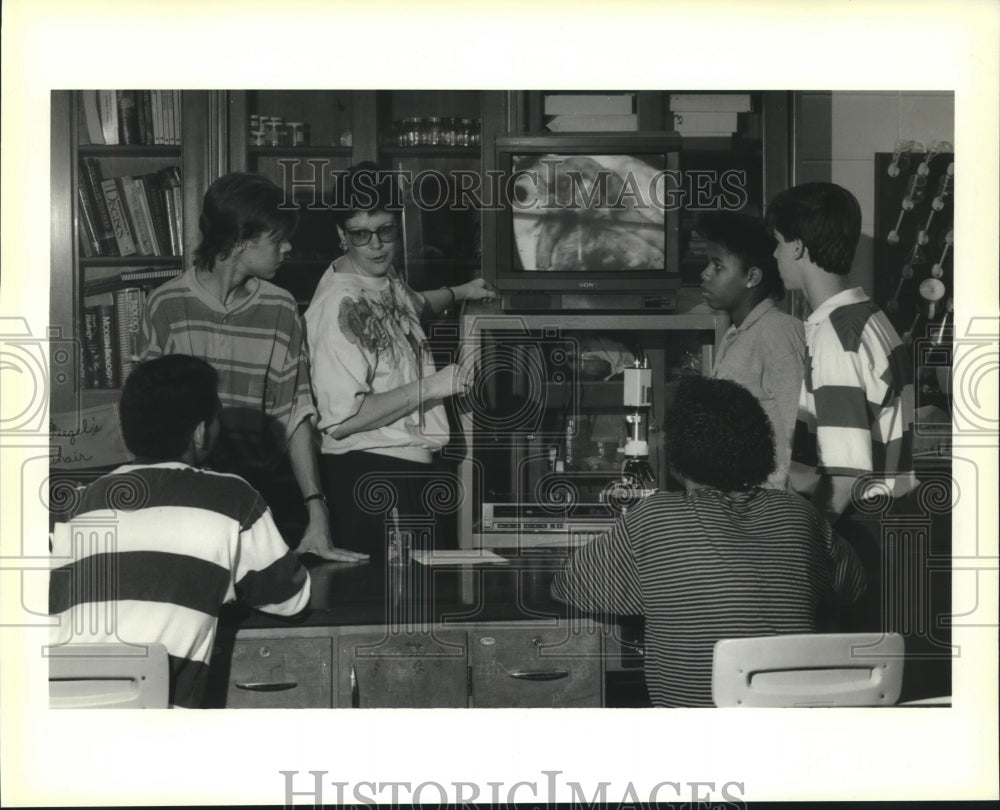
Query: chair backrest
[(834, 669), (108, 676)]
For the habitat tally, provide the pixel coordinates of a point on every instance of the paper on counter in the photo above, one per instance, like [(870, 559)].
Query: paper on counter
[(460, 556)]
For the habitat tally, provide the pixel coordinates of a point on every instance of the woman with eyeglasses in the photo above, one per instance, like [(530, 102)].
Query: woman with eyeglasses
[(379, 394)]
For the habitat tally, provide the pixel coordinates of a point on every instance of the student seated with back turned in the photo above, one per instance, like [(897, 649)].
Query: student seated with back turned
[(157, 546), (725, 558)]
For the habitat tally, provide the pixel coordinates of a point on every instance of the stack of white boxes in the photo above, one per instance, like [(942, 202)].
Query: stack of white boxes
[(708, 115), (591, 112)]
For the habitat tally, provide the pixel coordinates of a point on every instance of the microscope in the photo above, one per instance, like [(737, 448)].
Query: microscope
[(637, 479)]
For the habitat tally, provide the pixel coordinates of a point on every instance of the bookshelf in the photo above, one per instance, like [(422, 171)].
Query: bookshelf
[(150, 193)]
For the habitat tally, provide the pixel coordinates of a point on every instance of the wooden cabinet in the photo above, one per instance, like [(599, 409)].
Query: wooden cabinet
[(507, 664), (526, 668), (267, 672), (418, 670)]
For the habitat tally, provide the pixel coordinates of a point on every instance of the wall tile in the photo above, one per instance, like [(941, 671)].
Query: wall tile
[(927, 117), (812, 128), (863, 124)]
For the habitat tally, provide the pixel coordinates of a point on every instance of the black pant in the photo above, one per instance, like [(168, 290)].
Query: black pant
[(906, 556), (370, 495)]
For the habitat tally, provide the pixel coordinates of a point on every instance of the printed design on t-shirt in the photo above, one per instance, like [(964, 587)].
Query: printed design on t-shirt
[(380, 324)]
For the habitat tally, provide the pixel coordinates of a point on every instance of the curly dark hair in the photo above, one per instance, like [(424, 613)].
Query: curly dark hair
[(747, 238), (825, 216), (239, 207), (163, 401), (718, 435), (365, 188)]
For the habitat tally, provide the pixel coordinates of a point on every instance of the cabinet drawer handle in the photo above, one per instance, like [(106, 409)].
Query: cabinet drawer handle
[(539, 674), (267, 686)]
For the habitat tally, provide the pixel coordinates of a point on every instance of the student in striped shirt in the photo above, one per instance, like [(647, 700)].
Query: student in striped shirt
[(157, 546), (854, 433), (225, 310), (725, 558)]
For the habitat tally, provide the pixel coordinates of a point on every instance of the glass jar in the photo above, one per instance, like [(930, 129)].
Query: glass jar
[(474, 137), (272, 132), (432, 132), (411, 132), (464, 133), (296, 133), (254, 123), (257, 137), (449, 131)]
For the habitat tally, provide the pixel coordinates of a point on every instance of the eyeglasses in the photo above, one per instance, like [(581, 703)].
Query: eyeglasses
[(362, 236)]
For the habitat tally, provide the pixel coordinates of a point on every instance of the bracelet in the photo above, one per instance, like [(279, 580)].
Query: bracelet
[(451, 292), (316, 496)]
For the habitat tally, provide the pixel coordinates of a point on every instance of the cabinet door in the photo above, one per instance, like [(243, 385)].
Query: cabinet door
[(532, 668), (400, 671), (280, 673)]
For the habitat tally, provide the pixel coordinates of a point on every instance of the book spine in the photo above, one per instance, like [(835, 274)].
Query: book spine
[(154, 103), (147, 214), (119, 222), (168, 117), (177, 117), (93, 178), (128, 314), (128, 117), (108, 106), (92, 115), (154, 199), (92, 354), (88, 225), (109, 348), (129, 194), (145, 123)]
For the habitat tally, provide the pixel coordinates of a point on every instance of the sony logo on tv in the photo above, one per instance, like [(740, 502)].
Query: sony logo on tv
[(587, 285)]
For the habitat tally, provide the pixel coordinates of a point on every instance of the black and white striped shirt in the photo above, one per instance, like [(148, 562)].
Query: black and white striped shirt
[(704, 565)]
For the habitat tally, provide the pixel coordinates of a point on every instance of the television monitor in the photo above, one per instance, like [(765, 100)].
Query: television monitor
[(586, 221)]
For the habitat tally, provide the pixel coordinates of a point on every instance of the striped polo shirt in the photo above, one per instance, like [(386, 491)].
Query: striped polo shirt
[(256, 345), (152, 553), (856, 407), (703, 566)]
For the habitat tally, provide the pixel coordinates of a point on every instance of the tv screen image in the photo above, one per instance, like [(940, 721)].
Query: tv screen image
[(588, 212)]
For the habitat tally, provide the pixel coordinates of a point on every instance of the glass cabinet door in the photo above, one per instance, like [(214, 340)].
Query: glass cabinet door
[(545, 424)]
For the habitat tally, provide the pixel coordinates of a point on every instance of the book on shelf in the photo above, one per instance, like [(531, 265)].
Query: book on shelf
[(90, 244), (131, 215), (129, 305), (91, 356), (108, 109), (119, 219), (90, 171), (128, 117), (111, 324), (92, 116), (142, 227)]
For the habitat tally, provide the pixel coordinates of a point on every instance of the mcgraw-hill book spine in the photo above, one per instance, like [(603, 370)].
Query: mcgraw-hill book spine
[(119, 221), (90, 169), (128, 320), (129, 194), (170, 184)]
